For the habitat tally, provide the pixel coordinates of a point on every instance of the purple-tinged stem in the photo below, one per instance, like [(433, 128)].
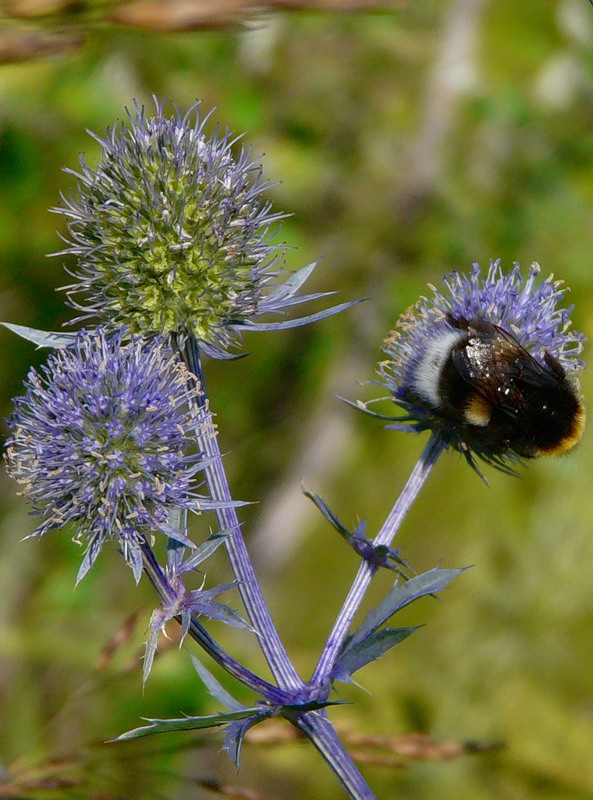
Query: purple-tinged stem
[(167, 594), (280, 664), (319, 730), (314, 725), (366, 571)]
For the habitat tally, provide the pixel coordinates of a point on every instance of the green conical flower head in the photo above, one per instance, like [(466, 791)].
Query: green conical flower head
[(171, 232)]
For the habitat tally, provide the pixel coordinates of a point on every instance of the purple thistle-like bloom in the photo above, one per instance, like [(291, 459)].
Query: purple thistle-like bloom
[(100, 439), (526, 316), (172, 234)]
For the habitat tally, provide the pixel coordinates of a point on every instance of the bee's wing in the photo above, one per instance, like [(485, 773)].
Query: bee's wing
[(531, 372), (500, 370)]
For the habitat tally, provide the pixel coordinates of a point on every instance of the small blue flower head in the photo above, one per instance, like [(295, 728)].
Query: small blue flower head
[(100, 439), (490, 365), (173, 234)]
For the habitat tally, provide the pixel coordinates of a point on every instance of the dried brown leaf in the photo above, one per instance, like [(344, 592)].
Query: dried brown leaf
[(121, 637), (17, 46), (35, 9), (180, 15)]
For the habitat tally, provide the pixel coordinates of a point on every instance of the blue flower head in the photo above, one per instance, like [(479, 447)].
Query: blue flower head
[(173, 234), (100, 439), (490, 365)]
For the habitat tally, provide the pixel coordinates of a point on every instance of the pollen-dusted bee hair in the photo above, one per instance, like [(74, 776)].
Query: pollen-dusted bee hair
[(490, 366)]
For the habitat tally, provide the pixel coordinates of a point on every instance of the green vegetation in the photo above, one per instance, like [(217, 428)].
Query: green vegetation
[(409, 142)]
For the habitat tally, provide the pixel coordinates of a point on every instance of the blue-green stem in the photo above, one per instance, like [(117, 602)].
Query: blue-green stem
[(278, 660), (366, 571), (316, 726)]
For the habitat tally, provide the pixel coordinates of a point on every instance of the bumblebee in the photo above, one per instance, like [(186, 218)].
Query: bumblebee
[(480, 380)]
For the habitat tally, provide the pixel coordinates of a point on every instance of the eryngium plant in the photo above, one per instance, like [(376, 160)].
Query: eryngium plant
[(174, 233), (174, 250)]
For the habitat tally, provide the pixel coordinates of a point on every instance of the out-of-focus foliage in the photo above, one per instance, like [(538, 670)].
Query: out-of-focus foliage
[(410, 140), (32, 29)]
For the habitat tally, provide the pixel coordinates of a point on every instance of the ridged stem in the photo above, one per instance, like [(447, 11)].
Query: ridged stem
[(280, 664), (316, 726), (366, 571)]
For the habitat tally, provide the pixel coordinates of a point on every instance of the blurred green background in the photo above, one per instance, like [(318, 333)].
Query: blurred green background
[(409, 140)]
